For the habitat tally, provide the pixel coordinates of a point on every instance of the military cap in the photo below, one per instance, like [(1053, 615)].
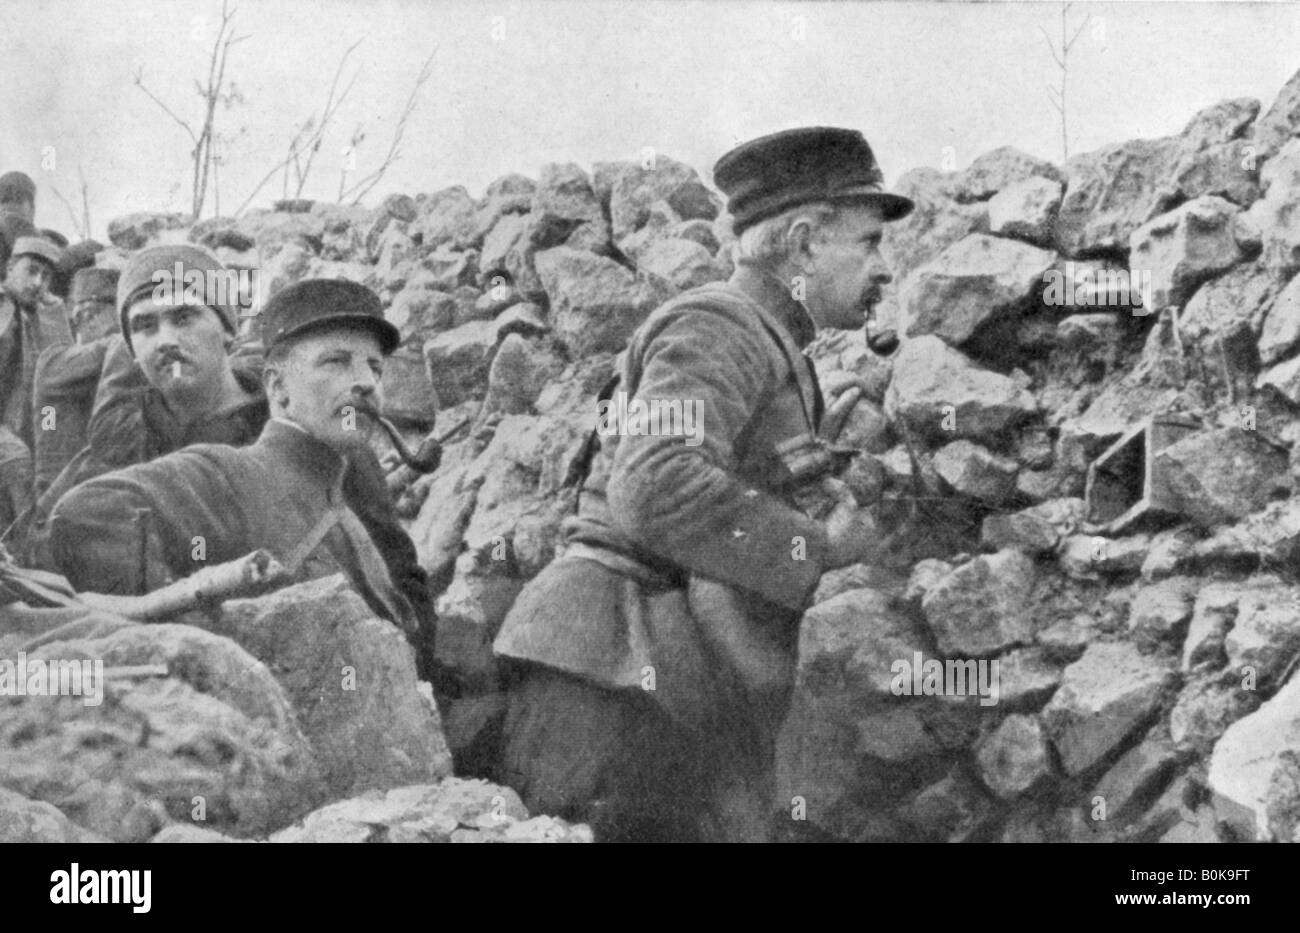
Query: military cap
[(316, 304), (40, 248), (95, 285), (766, 176), (55, 237), (170, 266), (17, 186)]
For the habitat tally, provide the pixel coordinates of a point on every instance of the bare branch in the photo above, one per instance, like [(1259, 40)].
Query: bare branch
[(1069, 45), (1050, 47), (139, 82), (313, 141), (360, 188), (72, 212)]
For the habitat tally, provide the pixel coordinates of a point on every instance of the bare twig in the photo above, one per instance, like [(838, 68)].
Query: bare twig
[(359, 190), (72, 212), (313, 141)]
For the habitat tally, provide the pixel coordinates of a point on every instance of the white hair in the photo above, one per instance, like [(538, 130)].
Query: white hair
[(769, 242)]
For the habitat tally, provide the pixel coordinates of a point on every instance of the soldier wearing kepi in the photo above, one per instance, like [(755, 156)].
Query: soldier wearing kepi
[(310, 490), (654, 661)]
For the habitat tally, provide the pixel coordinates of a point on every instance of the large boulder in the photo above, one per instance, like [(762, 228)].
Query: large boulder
[(190, 726), (1104, 697), (1026, 210), (446, 216), (1109, 193), (596, 304), (1254, 772), (636, 187), (1280, 123), (1220, 476), (1183, 248), (351, 679), (1276, 216), (939, 391), (983, 606), (564, 193), (936, 222), (999, 169), (976, 280), (23, 820)]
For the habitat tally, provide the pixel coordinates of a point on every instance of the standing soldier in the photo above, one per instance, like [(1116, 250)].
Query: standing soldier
[(654, 661), (31, 321)]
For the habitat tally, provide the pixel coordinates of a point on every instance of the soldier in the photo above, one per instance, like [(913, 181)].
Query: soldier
[(653, 662), (30, 322), (145, 405), (310, 490), (17, 211)]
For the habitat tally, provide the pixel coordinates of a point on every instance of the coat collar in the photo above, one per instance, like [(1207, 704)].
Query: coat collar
[(304, 453), (774, 295)]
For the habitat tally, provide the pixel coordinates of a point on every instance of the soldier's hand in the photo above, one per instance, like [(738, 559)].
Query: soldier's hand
[(853, 535), (841, 394)]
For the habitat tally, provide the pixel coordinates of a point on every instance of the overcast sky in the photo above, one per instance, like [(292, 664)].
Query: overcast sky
[(516, 85)]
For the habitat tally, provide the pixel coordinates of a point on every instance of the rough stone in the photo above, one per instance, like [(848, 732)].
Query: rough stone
[(937, 222), (1253, 766), (1281, 331), (1160, 611), (136, 231), (216, 725), (933, 382), (972, 470), (1035, 530), (999, 169), (409, 399), (684, 263), (596, 304), (1183, 248), (1026, 210), (1204, 710), (1015, 757), (638, 186), (982, 606), (1111, 192), (454, 810), (447, 217), (23, 820), (975, 281), (1139, 776), (1103, 698), (1280, 123), (351, 678), (1220, 476)]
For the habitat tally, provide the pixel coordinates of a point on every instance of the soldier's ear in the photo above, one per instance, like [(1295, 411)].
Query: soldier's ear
[(799, 237)]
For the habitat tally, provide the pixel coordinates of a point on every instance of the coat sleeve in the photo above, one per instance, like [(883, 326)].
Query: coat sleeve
[(118, 434), (95, 538), (686, 503), (367, 495)]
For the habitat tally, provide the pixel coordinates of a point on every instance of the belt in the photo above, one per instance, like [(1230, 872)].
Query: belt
[(648, 576)]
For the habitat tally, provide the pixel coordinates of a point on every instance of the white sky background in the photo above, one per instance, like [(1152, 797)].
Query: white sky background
[(592, 80)]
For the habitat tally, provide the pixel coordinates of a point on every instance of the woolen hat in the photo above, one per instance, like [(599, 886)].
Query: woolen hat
[(40, 248), (17, 186), (170, 266), (317, 304), (766, 176)]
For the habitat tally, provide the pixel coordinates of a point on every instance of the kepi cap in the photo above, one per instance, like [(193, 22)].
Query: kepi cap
[(768, 175), (316, 304)]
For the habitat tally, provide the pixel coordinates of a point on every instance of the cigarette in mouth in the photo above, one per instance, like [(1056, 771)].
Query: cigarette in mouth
[(176, 369)]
